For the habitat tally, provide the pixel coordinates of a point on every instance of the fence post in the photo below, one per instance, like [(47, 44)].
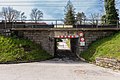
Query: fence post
[(97, 23), (5, 24), (117, 23), (56, 23), (12, 24), (84, 21), (15, 23)]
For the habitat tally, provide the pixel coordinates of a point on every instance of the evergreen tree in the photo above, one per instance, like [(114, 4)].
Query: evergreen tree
[(69, 14), (103, 19), (111, 12)]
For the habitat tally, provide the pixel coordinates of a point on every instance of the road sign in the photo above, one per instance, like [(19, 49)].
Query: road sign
[(82, 39), (82, 43), (81, 34)]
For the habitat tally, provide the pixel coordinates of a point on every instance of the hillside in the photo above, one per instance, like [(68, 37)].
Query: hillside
[(17, 50), (108, 47)]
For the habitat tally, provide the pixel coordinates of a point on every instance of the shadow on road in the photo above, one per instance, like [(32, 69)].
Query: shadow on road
[(63, 61), (64, 56)]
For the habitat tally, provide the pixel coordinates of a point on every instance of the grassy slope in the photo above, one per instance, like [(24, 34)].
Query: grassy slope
[(108, 47), (14, 50)]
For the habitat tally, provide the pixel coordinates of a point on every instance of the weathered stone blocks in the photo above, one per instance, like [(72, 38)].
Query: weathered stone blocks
[(46, 38), (108, 63)]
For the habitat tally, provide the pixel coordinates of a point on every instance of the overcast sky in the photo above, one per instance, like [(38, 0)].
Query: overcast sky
[(53, 9)]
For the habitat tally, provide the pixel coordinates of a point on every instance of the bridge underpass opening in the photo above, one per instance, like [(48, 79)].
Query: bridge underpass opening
[(66, 47), (63, 44)]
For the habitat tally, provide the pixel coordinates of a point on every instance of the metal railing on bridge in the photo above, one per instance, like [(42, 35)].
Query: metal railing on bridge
[(57, 23)]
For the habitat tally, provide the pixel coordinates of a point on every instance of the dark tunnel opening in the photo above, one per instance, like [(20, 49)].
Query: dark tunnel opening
[(66, 48)]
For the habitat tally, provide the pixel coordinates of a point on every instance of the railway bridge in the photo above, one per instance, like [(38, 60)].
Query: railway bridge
[(80, 38)]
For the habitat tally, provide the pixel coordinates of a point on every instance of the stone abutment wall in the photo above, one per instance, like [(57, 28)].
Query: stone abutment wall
[(46, 38), (40, 37), (108, 63), (91, 36)]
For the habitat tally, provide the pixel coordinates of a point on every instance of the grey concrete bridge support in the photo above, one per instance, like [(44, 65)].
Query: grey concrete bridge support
[(40, 37), (46, 37)]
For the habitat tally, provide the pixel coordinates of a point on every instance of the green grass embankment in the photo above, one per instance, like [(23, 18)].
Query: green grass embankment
[(68, 43), (108, 47), (20, 50)]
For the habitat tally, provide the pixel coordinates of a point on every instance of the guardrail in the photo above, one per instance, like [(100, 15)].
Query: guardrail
[(88, 23)]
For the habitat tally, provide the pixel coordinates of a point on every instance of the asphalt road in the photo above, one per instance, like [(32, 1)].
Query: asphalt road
[(63, 46), (56, 69)]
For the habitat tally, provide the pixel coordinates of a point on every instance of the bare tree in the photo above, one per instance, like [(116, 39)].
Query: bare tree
[(9, 14), (94, 18), (22, 16), (36, 14)]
